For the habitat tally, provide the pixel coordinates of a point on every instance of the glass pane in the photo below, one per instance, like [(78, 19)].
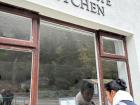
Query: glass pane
[(67, 64), (114, 70), (14, 26), (15, 76), (113, 46)]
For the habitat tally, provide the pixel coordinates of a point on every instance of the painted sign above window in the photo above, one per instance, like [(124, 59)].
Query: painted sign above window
[(96, 6)]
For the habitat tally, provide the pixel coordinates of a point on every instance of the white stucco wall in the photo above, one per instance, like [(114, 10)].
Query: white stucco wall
[(133, 44), (122, 17)]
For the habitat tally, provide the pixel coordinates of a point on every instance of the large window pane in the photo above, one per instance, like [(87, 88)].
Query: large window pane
[(15, 76), (67, 61), (14, 26), (113, 46)]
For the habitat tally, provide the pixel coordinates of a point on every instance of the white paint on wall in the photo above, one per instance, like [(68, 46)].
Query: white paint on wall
[(74, 15), (111, 13)]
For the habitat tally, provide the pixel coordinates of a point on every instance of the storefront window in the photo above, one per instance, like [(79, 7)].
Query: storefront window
[(67, 66), (14, 26), (15, 77), (68, 72)]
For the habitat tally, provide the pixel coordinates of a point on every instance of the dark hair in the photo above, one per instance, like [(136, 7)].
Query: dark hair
[(116, 85), (86, 85)]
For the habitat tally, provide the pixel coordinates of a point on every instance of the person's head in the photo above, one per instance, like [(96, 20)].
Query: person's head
[(112, 88), (87, 90)]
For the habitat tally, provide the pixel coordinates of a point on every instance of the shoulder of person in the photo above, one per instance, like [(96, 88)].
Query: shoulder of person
[(126, 102), (121, 103), (79, 99), (78, 96)]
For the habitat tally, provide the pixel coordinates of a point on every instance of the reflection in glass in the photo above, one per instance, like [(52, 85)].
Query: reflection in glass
[(14, 26), (114, 70), (67, 57), (113, 46), (15, 76)]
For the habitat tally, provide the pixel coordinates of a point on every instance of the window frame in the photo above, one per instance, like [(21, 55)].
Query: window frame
[(34, 67), (114, 36), (24, 13), (80, 28), (25, 45), (103, 56)]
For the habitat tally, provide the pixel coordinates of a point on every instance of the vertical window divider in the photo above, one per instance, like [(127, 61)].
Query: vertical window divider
[(35, 63), (100, 68)]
